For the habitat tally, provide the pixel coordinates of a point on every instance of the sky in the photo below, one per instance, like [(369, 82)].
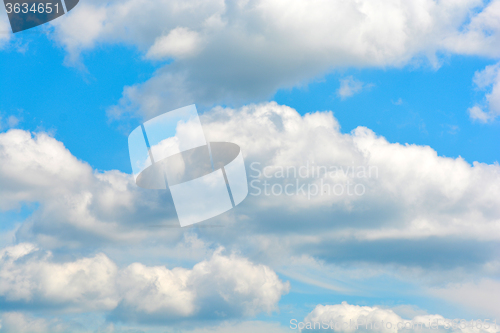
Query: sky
[(398, 100)]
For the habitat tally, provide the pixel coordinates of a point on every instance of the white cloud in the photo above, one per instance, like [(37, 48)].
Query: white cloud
[(221, 287), (242, 51), (349, 86), (180, 42), (439, 192), (87, 24), (399, 101), (483, 295), (344, 318), (77, 205), (18, 322), (476, 113), (487, 79), (417, 209)]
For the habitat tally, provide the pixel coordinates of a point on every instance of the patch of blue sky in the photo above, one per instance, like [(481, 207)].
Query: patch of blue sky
[(411, 105)]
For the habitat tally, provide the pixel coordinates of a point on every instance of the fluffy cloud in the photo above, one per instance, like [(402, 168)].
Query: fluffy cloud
[(32, 278), (487, 79), (482, 295), (377, 201), (222, 287), (76, 204), (17, 322), (480, 35), (240, 51), (344, 318)]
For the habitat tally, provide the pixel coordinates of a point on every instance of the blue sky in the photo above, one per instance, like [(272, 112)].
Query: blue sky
[(339, 83)]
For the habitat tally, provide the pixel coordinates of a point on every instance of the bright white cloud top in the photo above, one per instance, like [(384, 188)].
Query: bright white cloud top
[(273, 44)]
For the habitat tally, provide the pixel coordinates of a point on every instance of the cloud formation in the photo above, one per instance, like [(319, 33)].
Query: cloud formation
[(219, 288), (18, 322), (32, 278), (349, 86), (5, 30), (77, 205), (233, 52)]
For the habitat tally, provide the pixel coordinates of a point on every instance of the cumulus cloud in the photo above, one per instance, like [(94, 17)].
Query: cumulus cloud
[(239, 51), (32, 278), (409, 202), (222, 287), (18, 322), (350, 318), (487, 79), (482, 295), (416, 216)]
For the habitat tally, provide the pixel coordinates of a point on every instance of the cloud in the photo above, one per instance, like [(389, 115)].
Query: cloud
[(487, 79), (349, 318), (9, 122), (399, 101), (483, 295), (5, 30), (349, 86), (31, 278), (413, 207), (480, 35), (180, 42), (77, 205), (237, 52), (222, 287)]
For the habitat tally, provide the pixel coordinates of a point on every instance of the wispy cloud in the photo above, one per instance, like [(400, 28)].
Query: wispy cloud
[(350, 86)]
